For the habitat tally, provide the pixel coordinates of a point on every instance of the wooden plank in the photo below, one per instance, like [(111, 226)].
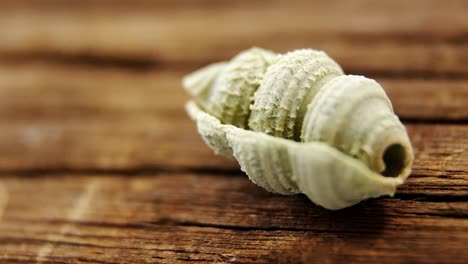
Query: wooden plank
[(180, 218), (169, 145), (196, 198), (446, 18), (425, 38), (109, 145), (57, 117), (102, 165), (447, 97), (91, 243), (92, 92)]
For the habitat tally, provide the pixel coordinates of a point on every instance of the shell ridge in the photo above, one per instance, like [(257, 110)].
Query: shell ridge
[(345, 123)]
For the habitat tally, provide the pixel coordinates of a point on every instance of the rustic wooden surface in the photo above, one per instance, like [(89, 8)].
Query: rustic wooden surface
[(101, 164)]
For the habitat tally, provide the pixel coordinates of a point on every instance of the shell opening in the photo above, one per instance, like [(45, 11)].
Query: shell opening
[(394, 158)]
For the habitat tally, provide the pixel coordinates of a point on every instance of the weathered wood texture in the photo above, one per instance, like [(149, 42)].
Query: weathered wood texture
[(142, 219), (405, 37), (102, 165), (82, 118)]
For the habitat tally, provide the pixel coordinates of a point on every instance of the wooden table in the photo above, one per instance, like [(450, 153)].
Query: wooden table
[(102, 165)]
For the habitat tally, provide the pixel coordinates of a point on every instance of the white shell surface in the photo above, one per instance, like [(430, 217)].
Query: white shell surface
[(346, 126), (327, 176), (225, 89), (288, 87)]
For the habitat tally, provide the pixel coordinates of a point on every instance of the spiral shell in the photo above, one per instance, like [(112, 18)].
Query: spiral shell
[(297, 124)]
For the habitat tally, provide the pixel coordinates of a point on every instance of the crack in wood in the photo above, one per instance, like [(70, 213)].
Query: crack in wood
[(434, 121), (86, 60), (132, 171), (75, 214), (173, 222), (192, 259), (147, 64), (423, 197)]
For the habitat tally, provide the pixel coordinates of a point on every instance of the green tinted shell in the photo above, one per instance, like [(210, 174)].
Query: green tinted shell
[(297, 124)]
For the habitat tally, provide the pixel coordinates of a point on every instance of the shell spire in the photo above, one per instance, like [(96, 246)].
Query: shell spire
[(296, 123)]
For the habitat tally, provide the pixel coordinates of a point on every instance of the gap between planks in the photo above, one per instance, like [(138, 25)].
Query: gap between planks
[(136, 171), (95, 61)]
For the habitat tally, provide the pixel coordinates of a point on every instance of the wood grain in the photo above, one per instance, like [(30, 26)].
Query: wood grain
[(406, 37), (59, 117), (108, 92), (99, 162), (112, 218), (147, 144)]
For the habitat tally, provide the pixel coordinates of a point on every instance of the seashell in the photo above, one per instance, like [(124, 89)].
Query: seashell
[(297, 124), (225, 89)]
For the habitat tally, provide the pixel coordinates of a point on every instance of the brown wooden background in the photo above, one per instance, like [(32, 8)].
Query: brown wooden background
[(102, 165)]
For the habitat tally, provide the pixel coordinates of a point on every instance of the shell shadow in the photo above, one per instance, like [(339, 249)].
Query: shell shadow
[(367, 217)]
